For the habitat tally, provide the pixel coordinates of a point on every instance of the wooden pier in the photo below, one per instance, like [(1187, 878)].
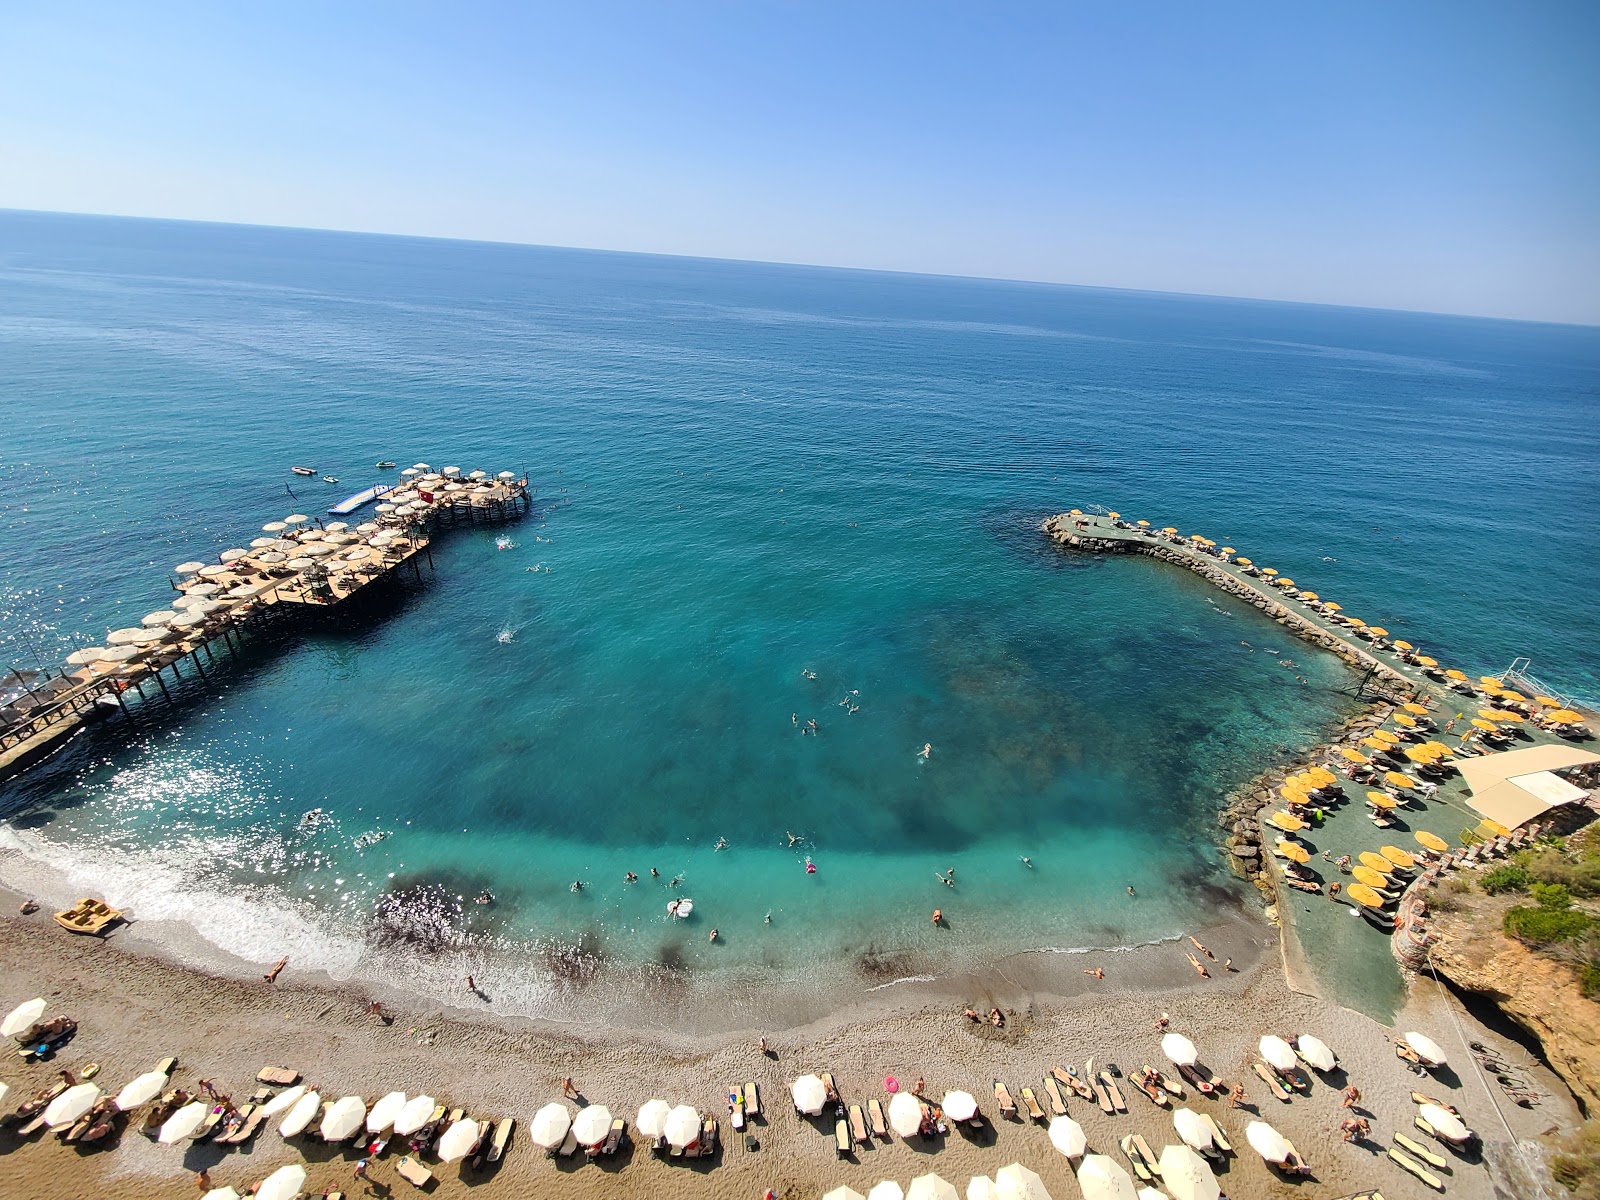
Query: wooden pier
[(301, 565)]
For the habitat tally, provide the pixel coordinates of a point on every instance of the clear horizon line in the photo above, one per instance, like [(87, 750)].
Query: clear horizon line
[(430, 237)]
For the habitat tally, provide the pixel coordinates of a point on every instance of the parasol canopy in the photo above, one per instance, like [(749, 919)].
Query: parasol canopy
[(415, 1115), (652, 1118), (1316, 1052), (74, 1102), (1427, 1049), (385, 1111), (283, 1101), (22, 1018), (1192, 1128), (1294, 852), (1398, 857), (1444, 1122), (1102, 1178), (591, 1124), (141, 1090), (1431, 841), (682, 1126), (184, 1123), (932, 1187), (905, 1114), (459, 1140), (550, 1125), (1186, 1176), (283, 1184), (844, 1193), (1350, 755), (1179, 1050), (1404, 782), (1267, 1142), (959, 1106), (809, 1094), (1382, 800), (1067, 1136), (1363, 895), (301, 1115), (1016, 1182), (1373, 879), (979, 1187), (1277, 1052), (344, 1116)]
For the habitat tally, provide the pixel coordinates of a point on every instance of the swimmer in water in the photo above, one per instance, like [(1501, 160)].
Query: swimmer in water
[(926, 752), (811, 867), (1027, 862), (768, 920), (1130, 890), (794, 719), (714, 935), (794, 839), (577, 885), (654, 874), (722, 844)]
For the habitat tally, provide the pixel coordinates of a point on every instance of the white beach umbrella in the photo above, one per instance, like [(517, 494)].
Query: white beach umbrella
[(1427, 1048), (1445, 1122), (123, 654), (247, 591), (1277, 1052), (344, 1116), (387, 508), (214, 570), (336, 526), (1017, 1182), (357, 554), (300, 564), (263, 543), (385, 1111), (221, 1193), (1186, 1175), (283, 1101), (887, 1189), (981, 1187), (460, 1138), (367, 527), (1101, 1178), (296, 519), (591, 1124), (809, 1094), (233, 555), (272, 557), (184, 1123), (1315, 1051), (451, 471), (652, 1118), (1192, 1128), (189, 618), (71, 1104), (682, 1126), (1150, 1193), (550, 1125), (317, 549), (134, 637), (1179, 1050), (932, 1187), (410, 471), (187, 568), (141, 1090), (905, 1114), (1267, 1142), (1067, 1136), (478, 475), (301, 1115), (506, 475), (89, 654), (274, 527), (22, 1018), (204, 589), (959, 1106), (415, 1115), (844, 1193), (160, 617), (283, 1184), (421, 467)]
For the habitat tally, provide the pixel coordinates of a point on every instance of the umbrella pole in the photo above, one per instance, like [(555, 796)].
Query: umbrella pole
[(24, 684)]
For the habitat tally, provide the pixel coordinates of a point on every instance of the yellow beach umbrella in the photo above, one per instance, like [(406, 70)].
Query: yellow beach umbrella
[(1386, 735), (1411, 706), (1404, 721), (1355, 756), (1142, 524), (1426, 661), (1373, 743), (1074, 512), (1421, 754), (1169, 529), (1514, 717), (1458, 676), (1284, 581), (1309, 596), (1287, 822), (1377, 631), (1382, 800), (1547, 701), (1362, 894), (1514, 697), (1293, 796), (1564, 716), (1400, 858), (1227, 550), (1431, 841), (1404, 646), (1113, 515), (1269, 571), (1491, 681), (1376, 862), (1294, 852), (1437, 747), (1332, 607), (1355, 622), (1403, 782), (1486, 726), (1244, 562), (1488, 714), (1492, 828), (1322, 776), (1373, 879)]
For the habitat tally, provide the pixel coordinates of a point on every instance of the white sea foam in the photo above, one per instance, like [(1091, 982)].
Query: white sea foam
[(878, 987)]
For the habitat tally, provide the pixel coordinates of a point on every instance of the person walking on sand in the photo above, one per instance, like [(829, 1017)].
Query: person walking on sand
[(1238, 1098), (202, 1180), (1352, 1096), (471, 986), (568, 1088), (1098, 972)]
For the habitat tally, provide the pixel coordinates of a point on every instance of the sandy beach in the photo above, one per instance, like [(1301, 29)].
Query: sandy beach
[(135, 1007)]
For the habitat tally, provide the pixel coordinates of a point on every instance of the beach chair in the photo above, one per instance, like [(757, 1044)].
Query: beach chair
[(1141, 1169), (1270, 1078), (1416, 1148), (841, 1137), (1002, 1098), (413, 1172), (1113, 1091), (752, 1101), (858, 1126), (166, 1064), (736, 1112), (1217, 1136), (880, 1127), (570, 1146), (708, 1137), (1410, 1164), (614, 1138), (502, 1137), (827, 1082), (1032, 1104), (1102, 1097), (1058, 1106), (278, 1076)]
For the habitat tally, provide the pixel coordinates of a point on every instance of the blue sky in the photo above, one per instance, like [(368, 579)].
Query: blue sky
[(1437, 156)]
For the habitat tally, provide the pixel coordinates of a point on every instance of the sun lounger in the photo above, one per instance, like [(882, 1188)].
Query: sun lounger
[(486, 1135), (1069, 1079), (841, 1137), (1141, 1168), (1424, 1098), (752, 1101), (1112, 1090), (1412, 1146), (212, 1123), (827, 1082), (880, 1127), (278, 1076), (1032, 1105), (736, 1113), (662, 1144), (1270, 1078), (708, 1137), (1002, 1097), (1102, 1097), (1217, 1136), (413, 1172), (614, 1137), (1150, 1156), (502, 1136), (166, 1064), (1417, 1169), (571, 1145), (253, 1118), (858, 1125), (1058, 1106)]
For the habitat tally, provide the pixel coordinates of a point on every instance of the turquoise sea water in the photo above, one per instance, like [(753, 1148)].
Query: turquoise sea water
[(745, 474)]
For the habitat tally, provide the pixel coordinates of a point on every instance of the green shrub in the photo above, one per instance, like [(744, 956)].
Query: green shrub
[(1576, 1165), (1545, 926), (1551, 895), (1578, 873), (1507, 878)]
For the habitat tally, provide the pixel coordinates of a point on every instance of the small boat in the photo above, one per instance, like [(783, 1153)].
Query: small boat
[(88, 916), (330, 479), (304, 470), (385, 465)]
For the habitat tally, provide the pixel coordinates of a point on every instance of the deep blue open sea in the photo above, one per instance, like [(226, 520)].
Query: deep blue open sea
[(765, 495)]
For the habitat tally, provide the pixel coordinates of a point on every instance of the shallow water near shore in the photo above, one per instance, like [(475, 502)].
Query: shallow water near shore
[(766, 495)]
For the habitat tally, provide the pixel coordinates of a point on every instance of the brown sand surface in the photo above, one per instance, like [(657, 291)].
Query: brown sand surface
[(135, 1007)]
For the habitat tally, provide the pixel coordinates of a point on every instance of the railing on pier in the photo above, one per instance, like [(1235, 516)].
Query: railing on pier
[(1519, 677)]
